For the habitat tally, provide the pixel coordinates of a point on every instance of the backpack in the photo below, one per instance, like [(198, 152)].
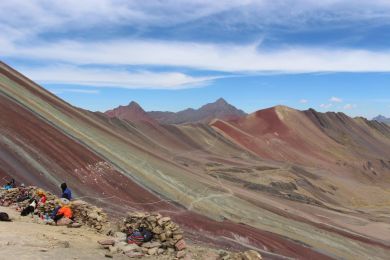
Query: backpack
[(147, 234), (135, 237), (4, 216)]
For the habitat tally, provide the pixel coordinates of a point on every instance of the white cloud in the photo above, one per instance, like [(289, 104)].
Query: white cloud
[(219, 57), (303, 101), (335, 100), (114, 78), (22, 24), (47, 15), (350, 106), (74, 90), (326, 105)]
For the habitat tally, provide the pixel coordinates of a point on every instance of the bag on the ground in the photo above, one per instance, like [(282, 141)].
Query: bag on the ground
[(4, 217), (135, 237), (147, 234)]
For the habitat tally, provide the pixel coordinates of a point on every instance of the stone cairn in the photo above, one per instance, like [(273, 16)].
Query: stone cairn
[(167, 236), (83, 212)]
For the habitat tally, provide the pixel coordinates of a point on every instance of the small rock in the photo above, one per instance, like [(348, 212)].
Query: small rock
[(109, 255), (75, 225), (163, 237), (181, 254), (133, 254), (251, 255), (107, 242), (130, 247), (120, 236), (152, 251), (113, 249), (151, 244), (180, 245)]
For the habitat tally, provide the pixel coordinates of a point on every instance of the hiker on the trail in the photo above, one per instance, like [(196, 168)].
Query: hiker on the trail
[(66, 193), (64, 212)]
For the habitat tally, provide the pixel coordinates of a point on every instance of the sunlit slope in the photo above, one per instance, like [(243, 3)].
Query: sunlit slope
[(200, 169), (329, 141)]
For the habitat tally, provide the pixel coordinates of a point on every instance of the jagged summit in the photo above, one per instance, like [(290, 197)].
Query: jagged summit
[(220, 109), (221, 101), (132, 112)]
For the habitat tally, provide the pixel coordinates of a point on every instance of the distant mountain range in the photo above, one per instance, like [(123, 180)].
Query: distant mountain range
[(219, 109), (382, 119)]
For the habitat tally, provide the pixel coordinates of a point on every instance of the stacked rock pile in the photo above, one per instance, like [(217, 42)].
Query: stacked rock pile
[(83, 212), (163, 228), (89, 215), (167, 236), (8, 197)]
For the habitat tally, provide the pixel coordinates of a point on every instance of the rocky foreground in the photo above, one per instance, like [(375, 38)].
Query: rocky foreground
[(93, 236)]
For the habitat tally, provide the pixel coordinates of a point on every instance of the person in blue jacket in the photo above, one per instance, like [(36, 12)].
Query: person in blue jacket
[(66, 193)]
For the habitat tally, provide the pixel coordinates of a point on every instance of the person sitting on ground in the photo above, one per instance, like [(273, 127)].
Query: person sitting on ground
[(42, 197), (65, 213), (66, 193)]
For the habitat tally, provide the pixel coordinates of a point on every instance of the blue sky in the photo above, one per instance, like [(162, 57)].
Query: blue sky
[(331, 55)]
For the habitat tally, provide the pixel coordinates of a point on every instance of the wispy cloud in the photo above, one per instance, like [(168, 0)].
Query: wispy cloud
[(326, 105), (218, 57), (48, 15), (118, 78), (51, 39), (74, 90), (336, 100), (303, 101), (349, 106)]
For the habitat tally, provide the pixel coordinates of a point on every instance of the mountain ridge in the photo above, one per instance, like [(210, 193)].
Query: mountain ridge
[(382, 119), (218, 109), (284, 181)]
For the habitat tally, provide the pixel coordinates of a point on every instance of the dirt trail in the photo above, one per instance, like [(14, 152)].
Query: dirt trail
[(24, 239)]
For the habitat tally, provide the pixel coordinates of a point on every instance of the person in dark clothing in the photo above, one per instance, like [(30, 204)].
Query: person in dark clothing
[(66, 193)]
